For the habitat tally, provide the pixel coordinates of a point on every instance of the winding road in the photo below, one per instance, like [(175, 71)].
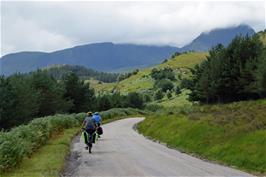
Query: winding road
[(123, 152)]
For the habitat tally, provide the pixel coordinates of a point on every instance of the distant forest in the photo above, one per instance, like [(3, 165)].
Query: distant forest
[(58, 71)]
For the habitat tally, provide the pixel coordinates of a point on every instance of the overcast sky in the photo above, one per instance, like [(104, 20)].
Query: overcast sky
[(49, 26)]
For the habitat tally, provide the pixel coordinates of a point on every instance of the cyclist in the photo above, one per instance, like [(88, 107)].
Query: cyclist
[(89, 125), (98, 121)]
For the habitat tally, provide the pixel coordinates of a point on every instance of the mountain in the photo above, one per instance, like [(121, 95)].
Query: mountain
[(98, 56), (223, 35), (111, 57)]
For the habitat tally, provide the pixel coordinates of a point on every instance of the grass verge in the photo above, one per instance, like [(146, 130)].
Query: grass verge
[(233, 134), (48, 160)]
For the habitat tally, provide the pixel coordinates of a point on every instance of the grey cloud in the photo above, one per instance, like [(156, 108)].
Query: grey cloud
[(49, 26)]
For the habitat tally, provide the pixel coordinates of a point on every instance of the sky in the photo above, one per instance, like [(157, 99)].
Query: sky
[(49, 26)]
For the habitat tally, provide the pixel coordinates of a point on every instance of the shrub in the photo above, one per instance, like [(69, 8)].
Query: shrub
[(135, 100), (169, 94), (177, 90), (165, 73), (23, 140), (164, 84), (158, 94), (153, 107), (121, 112)]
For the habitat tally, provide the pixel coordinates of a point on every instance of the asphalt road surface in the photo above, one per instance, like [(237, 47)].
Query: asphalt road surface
[(121, 151)]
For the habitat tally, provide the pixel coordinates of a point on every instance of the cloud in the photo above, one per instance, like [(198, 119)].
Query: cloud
[(49, 26)]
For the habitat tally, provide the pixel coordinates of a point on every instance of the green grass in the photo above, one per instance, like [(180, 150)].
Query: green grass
[(233, 134), (48, 161), (186, 60), (101, 86), (176, 101)]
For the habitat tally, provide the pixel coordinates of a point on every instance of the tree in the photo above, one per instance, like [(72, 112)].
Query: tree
[(8, 104), (177, 90), (164, 85), (135, 100), (260, 74), (50, 93), (27, 98), (79, 93), (165, 73), (104, 102), (186, 83), (228, 73), (169, 94), (158, 94)]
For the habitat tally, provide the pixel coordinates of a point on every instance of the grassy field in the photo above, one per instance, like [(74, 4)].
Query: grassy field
[(142, 80), (100, 86), (233, 134), (177, 101)]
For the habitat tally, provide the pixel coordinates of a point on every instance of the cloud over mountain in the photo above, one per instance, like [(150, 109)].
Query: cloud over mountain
[(49, 26)]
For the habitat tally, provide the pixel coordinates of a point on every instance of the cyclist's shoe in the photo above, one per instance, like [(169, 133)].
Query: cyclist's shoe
[(89, 149), (86, 147)]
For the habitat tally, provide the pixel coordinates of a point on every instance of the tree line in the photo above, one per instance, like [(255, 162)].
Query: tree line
[(233, 73), (59, 71), (26, 96)]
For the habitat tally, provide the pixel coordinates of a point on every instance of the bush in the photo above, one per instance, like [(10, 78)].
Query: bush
[(186, 83), (135, 100), (165, 73), (169, 94), (153, 107), (23, 140), (120, 112), (164, 85), (158, 94), (177, 90)]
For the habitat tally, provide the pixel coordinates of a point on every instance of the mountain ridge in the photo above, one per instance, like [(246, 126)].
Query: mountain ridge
[(108, 56)]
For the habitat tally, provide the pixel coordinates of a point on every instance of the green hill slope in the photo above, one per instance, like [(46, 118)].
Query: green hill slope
[(142, 81), (262, 35)]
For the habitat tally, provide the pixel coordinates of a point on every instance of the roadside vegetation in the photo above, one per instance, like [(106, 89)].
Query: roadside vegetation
[(24, 140), (46, 137), (48, 160), (233, 134)]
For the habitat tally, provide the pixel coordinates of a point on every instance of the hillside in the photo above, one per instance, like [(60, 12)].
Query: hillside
[(142, 81)]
